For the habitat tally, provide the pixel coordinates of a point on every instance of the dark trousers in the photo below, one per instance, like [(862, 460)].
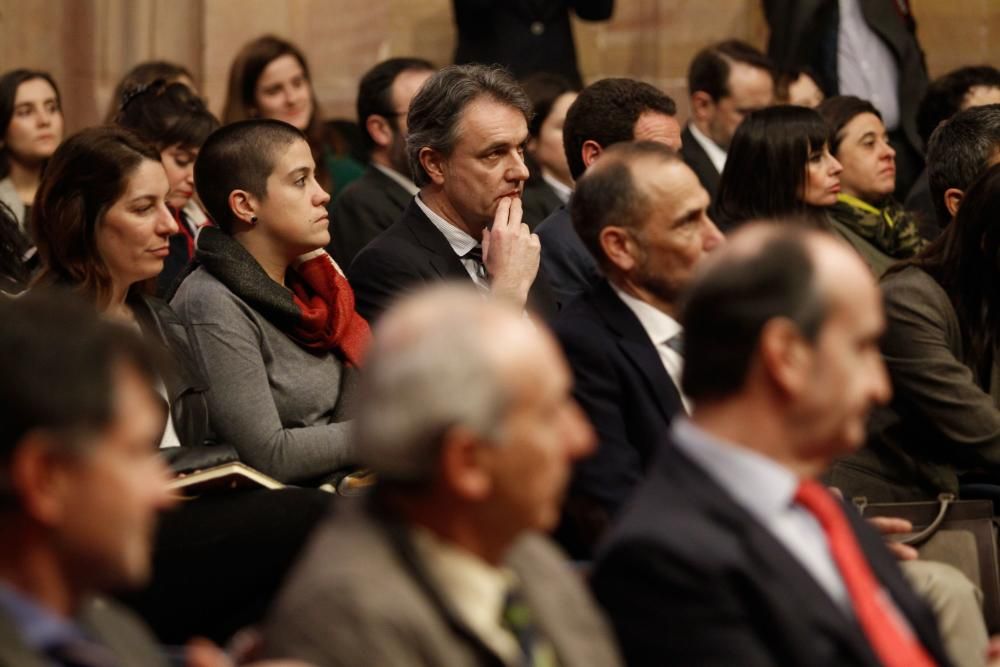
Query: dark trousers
[(219, 560)]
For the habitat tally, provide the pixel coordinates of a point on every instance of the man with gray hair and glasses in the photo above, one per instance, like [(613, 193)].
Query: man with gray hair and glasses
[(446, 564), (468, 127)]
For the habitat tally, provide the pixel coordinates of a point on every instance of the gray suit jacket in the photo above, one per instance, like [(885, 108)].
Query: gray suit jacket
[(116, 629), (360, 596), (940, 419)]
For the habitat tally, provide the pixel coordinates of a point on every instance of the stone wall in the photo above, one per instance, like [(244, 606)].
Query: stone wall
[(88, 44)]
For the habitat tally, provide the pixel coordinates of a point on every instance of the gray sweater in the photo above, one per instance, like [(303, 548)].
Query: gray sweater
[(284, 408)]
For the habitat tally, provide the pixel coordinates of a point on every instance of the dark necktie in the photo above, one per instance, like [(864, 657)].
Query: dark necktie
[(893, 642), (476, 254), (676, 343), (518, 619)]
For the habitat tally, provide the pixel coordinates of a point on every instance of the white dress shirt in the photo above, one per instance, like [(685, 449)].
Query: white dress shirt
[(866, 67), (766, 489), (660, 328), (562, 190), (403, 181), (712, 149), (459, 241)]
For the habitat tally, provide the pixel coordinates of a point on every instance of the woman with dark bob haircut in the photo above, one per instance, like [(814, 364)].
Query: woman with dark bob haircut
[(270, 311), (779, 166), (31, 127), (102, 226), (865, 213), (942, 429)]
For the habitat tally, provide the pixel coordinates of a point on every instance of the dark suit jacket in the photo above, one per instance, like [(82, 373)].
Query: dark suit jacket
[(570, 268), (696, 158), (539, 201), (942, 418), (412, 252), (112, 626), (502, 31), (366, 208), (362, 595), (804, 33), (689, 577), (620, 382)]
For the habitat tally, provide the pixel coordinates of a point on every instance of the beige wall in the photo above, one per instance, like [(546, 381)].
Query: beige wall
[(87, 44)]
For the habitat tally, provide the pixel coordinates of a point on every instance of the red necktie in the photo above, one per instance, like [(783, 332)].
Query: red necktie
[(893, 642)]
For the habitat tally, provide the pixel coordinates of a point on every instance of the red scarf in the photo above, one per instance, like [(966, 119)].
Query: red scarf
[(325, 300)]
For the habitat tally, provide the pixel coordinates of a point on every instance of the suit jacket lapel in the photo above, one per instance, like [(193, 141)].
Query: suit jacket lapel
[(636, 345), (781, 574), (441, 256), (399, 540)]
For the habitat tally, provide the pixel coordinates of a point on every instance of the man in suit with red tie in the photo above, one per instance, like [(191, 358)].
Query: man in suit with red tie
[(730, 552)]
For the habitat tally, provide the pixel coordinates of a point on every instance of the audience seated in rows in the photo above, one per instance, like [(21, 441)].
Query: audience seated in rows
[(175, 121), (730, 552), (726, 81), (102, 227), (271, 315), (472, 422), (642, 214), (371, 204), (865, 214), (786, 148), (550, 184), (468, 126), (605, 113), (447, 563), (31, 119)]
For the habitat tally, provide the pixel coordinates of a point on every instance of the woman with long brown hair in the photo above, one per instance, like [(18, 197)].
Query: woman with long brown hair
[(270, 78)]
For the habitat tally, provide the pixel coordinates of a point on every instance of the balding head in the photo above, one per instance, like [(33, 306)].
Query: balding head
[(467, 414), (642, 214), (794, 313)]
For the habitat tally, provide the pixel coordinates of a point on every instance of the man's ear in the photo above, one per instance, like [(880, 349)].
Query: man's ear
[(434, 163), (589, 152), (379, 130), (953, 200), (243, 206), (38, 478), (461, 466), (619, 247), (702, 105), (785, 355)]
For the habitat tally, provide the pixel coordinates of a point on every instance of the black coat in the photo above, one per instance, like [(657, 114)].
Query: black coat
[(526, 36), (366, 208), (804, 33), (569, 267), (689, 577), (696, 158), (412, 253), (622, 386)]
